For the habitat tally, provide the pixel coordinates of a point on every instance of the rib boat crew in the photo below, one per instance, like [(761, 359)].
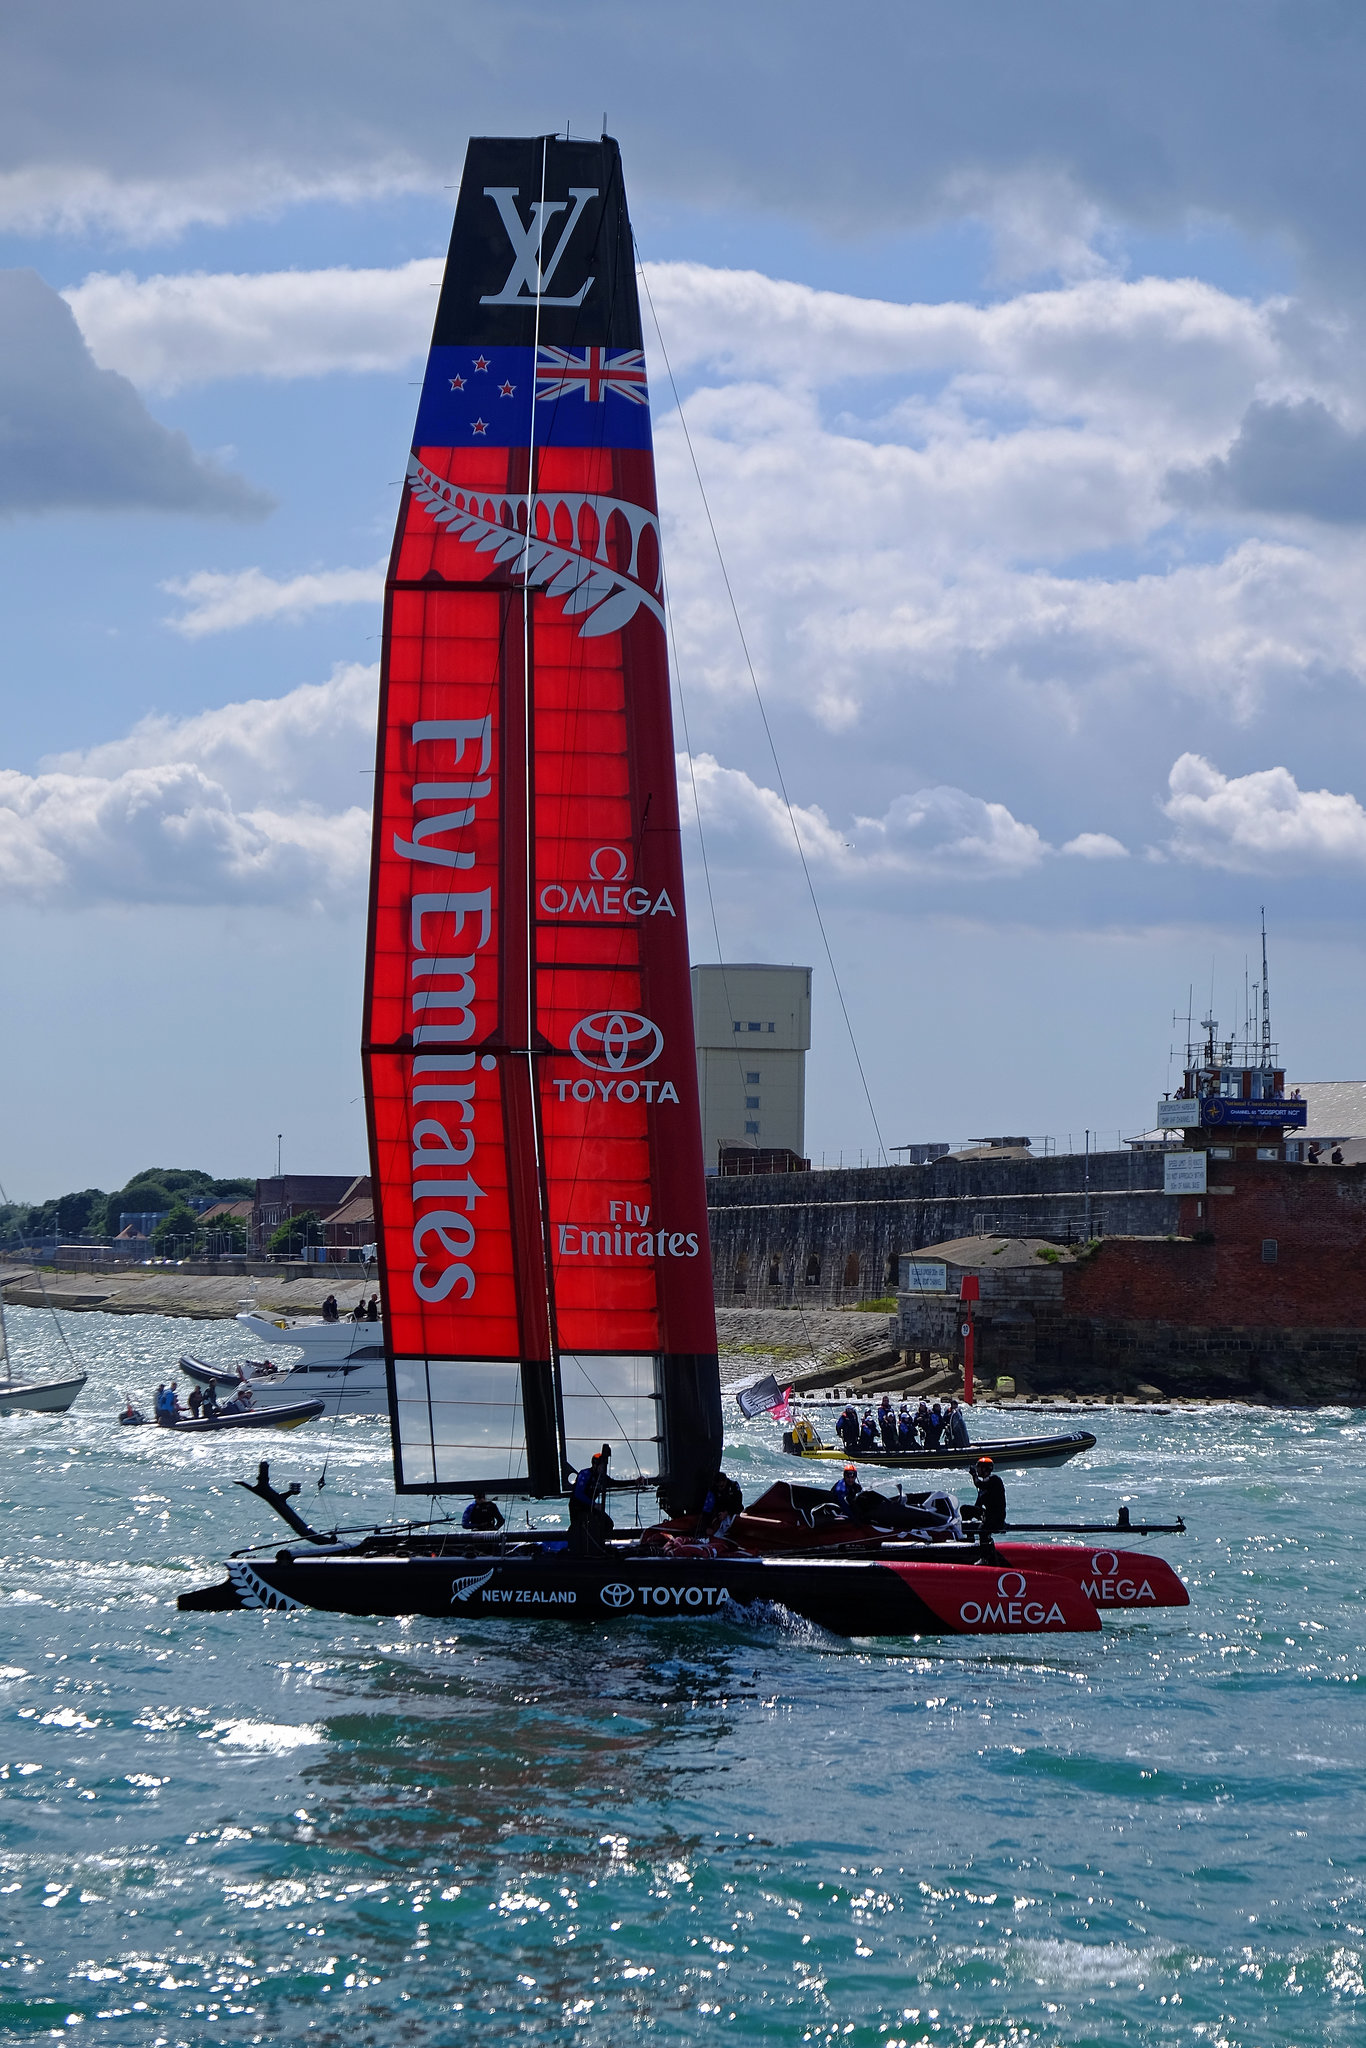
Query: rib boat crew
[(530, 1075), (305, 1358)]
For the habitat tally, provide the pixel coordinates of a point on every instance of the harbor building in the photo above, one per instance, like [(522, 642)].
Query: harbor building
[(752, 1029)]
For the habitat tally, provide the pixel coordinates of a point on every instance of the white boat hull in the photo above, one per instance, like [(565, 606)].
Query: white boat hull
[(347, 1390), (40, 1397)]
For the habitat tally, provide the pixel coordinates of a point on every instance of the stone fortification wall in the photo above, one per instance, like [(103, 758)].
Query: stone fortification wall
[(783, 1239), (1263, 1297)]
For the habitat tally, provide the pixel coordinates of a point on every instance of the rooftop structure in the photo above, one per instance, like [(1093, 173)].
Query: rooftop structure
[(1233, 1088), (752, 1029)]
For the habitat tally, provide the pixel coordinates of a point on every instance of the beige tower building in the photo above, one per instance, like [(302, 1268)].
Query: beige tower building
[(752, 1026)]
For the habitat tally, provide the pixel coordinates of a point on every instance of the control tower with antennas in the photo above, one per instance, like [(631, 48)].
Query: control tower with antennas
[(1232, 1102)]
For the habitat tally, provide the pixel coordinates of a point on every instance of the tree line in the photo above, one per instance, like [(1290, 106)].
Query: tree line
[(88, 1213)]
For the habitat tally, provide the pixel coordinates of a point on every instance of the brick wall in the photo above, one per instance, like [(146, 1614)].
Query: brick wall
[(1316, 1217), (1216, 1316)]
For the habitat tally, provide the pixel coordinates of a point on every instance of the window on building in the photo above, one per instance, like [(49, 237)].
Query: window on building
[(1221, 1151), (752, 1027), (772, 1027), (751, 1102), (1269, 1251), (752, 1080), (813, 1270), (751, 1129), (851, 1270), (775, 1271), (735, 1026), (1268, 1151)]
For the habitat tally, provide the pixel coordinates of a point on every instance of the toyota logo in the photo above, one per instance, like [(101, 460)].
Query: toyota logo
[(1007, 1592), (1105, 1562), (616, 1595), (616, 1041)]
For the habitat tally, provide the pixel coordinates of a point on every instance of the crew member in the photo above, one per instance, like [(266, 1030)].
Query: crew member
[(991, 1500), (846, 1492), (482, 1513), (847, 1429), (589, 1523), (721, 1503)]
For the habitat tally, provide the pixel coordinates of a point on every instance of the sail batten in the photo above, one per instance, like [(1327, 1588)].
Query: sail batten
[(530, 1071)]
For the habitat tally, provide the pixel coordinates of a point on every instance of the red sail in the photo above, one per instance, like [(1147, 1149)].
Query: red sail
[(529, 1048)]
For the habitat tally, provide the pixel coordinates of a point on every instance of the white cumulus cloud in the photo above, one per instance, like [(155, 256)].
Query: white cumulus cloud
[(941, 831), (257, 803), (167, 332), (1260, 821), (220, 601)]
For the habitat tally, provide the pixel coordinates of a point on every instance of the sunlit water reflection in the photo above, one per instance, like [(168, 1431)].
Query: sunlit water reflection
[(232, 1828)]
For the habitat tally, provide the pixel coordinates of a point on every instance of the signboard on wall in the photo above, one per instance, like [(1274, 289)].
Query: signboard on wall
[(1178, 1116), (925, 1276), (1184, 1173)]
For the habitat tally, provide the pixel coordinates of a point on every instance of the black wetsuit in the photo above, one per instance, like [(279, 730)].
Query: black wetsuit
[(482, 1514), (991, 1502), (589, 1524)]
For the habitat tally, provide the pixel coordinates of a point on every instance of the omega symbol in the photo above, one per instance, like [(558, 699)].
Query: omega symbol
[(1106, 1563), (1021, 1583), (616, 1041), (608, 853)]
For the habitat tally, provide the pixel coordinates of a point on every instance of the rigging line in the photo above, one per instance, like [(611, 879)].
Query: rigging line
[(47, 1303), (702, 838), (763, 714)]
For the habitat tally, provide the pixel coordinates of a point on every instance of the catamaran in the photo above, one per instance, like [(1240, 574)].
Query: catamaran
[(530, 1075)]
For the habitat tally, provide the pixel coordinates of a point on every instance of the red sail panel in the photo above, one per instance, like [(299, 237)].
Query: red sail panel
[(531, 1076)]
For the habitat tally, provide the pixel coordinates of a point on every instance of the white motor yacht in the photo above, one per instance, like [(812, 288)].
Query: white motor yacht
[(303, 1358)]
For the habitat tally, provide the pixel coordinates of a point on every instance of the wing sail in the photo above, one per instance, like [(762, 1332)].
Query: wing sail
[(531, 1079)]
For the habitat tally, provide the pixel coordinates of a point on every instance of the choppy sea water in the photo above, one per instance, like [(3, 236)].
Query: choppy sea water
[(257, 1827)]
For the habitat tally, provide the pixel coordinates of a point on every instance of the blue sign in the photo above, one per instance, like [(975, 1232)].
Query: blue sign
[(1214, 1110)]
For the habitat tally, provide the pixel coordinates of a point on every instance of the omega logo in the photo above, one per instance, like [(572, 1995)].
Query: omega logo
[(609, 853), (1012, 1592), (616, 1041), (1105, 1562)]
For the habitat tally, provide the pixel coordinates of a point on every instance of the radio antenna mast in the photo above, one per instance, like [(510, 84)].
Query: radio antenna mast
[(1266, 1000)]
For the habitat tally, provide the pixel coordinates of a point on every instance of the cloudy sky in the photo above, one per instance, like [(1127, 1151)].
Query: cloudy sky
[(1020, 351)]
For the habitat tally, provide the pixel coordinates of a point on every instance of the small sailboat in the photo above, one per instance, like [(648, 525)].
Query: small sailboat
[(33, 1397), (530, 1075)]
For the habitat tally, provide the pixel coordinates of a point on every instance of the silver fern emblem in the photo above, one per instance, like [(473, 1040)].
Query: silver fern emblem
[(253, 1591), (463, 1588), (570, 552)]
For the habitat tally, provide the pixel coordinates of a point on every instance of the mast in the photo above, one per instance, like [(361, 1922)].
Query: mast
[(1266, 1000), (530, 1076)]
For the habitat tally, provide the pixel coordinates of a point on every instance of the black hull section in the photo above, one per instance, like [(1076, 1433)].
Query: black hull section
[(1020, 1450), (851, 1597)]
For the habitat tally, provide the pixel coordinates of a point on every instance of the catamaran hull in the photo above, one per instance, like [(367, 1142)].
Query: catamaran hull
[(855, 1597), (1020, 1450), (42, 1397)]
